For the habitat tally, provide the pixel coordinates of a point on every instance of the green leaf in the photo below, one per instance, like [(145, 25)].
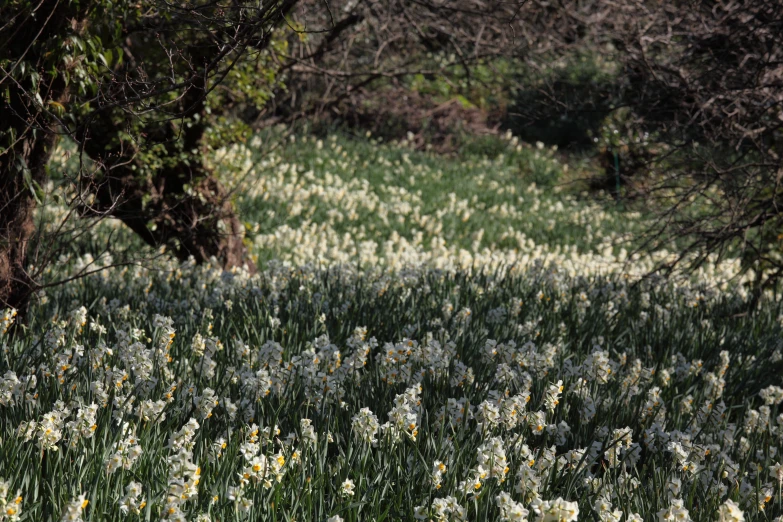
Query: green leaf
[(38, 193), (35, 189), (57, 107)]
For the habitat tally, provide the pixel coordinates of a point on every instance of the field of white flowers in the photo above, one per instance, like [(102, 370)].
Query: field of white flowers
[(426, 339)]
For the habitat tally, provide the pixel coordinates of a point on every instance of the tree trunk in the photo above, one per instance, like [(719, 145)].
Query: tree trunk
[(22, 167), (27, 137), (180, 205)]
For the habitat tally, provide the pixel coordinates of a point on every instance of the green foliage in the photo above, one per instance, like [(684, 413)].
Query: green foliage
[(490, 146), (484, 84), (252, 82), (76, 46), (76, 71), (564, 105)]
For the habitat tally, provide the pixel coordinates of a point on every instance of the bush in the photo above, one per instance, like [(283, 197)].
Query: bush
[(563, 106)]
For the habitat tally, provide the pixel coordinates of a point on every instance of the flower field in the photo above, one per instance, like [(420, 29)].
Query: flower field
[(425, 340)]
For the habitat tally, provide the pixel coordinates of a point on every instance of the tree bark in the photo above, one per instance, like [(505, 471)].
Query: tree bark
[(22, 167), (181, 205), (27, 141)]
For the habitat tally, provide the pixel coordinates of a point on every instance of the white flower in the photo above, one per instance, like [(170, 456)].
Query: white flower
[(492, 459), (84, 425), (438, 469), (206, 403), (149, 410), (309, 437), (675, 513), (776, 470), (365, 425), (558, 510), (74, 509), (420, 513), (552, 398), (510, 511), (126, 451), (729, 511), (131, 503), (346, 488), (674, 487), (10, 508), (448, 509), (184, 437)]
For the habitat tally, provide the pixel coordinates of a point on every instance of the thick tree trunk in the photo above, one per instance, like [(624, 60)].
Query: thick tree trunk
[(21, 168), (28, 144), (28, 136), (16, 228), (181, 205), (27, 139)]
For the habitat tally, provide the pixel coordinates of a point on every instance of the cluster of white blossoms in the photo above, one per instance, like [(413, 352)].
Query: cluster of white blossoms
[(125, 452), (7, 319), (365, 425), (511, 510), (445, 509), (74, 510), (345, 202), (412, 353), (529, 413), (10, 504), (557, 510), (404, 416), (133, 501)]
